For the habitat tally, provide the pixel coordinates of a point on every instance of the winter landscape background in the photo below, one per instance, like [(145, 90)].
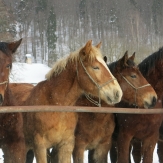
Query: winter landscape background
[(52, 29)]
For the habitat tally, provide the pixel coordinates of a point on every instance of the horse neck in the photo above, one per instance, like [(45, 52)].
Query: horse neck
[(67, 89), (8, 98)]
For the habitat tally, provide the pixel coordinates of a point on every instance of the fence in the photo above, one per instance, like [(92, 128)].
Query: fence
[(50, 108)]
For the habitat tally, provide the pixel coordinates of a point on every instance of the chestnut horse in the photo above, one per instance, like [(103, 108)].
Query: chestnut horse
[(143, 127), (94, 130), (11, 124), (83, 71)]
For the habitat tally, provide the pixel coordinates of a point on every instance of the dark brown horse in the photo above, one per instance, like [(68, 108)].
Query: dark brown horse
[(143, 128), (20, 92), (83, 71), (160, 144), (94, 130), (152, 69), (11, 124)]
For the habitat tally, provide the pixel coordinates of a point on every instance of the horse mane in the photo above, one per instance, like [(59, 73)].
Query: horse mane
[(60, 65), (112, 66), (4, 48), (150, 62)]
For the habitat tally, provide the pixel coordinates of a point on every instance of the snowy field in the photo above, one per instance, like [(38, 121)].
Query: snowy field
[(155, 158), (34, 73)]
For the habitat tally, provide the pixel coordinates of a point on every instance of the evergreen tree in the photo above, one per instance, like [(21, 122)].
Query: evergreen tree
[(7, 25), (51, 35)]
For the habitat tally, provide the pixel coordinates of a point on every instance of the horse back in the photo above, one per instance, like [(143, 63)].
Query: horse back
[(20, 91)]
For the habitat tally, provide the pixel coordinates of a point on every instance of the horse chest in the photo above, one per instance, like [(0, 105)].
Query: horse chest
[(50, 128), (140, 125), (94, 128)]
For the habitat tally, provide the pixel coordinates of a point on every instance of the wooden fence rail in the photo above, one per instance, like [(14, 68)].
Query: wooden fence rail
[(50, 108)]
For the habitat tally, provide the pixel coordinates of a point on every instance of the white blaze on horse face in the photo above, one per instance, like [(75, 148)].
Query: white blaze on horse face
[(104, 64), (111, 92)]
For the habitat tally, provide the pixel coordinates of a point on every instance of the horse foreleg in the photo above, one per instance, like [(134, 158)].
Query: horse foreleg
[(40, 153), (99, 154), (160, 151), (136, 152), (123, 143), (113, 152), (14, 152), (78, 153), (148, 148), (65, 152)]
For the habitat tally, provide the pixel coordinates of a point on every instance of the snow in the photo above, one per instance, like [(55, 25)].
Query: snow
[(34, 73), (28, 73)]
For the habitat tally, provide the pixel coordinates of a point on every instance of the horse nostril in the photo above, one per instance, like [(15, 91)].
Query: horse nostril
[(154, 100), (1, 99), (117, 94)]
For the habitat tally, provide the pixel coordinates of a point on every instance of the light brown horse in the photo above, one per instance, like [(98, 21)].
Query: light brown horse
[(94, 130), (83, 71), (11, 124)]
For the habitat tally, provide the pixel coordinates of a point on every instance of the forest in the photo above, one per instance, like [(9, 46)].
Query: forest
[(52, 29)]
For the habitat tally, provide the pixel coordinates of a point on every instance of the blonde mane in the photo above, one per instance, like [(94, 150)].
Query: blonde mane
[(60, 65)]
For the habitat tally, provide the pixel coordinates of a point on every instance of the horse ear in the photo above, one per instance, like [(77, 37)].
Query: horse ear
[(99, 45), (132, 57), (87, 48), (123, 60), (14, 45), (105, 59)]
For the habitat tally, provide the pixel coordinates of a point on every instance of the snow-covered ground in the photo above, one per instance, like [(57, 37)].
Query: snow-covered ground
[(34, 73), (28, 73)]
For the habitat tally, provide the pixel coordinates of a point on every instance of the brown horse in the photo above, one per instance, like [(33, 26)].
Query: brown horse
[(11, 124), (20, 91), (83, 71), (151, 68), (160, 144), (143, 127), (94, 130)]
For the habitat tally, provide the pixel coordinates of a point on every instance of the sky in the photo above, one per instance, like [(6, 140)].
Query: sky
[(34, 73)]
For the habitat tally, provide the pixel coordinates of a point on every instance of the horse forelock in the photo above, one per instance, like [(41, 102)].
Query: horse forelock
[(148, 64), (60, 65), (130, 63), (95, 52)]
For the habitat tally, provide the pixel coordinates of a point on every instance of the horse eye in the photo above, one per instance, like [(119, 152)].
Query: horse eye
[(133, 76), (96, 68), (8, 66)]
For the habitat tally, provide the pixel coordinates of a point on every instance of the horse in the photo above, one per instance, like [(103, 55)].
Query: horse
[(12, 139), (94, 130), (83, 71), (151, 68), (160, 144), (144, 128), (20, 91)]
